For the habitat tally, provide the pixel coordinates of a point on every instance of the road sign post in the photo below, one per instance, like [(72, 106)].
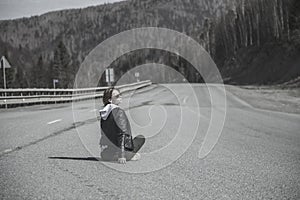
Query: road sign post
[(137, 75), (4, 64), (109, 76)]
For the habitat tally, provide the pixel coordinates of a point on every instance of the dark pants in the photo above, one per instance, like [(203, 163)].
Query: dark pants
[(112, 153)]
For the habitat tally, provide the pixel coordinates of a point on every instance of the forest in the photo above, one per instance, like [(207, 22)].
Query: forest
[(251, 41)]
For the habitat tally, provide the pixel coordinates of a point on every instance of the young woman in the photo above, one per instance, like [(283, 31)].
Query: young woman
[(116, 141)]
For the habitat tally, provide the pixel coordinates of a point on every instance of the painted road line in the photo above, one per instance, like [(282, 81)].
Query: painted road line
[(185, 99), (94, 110), (7, 150), (52, 122)]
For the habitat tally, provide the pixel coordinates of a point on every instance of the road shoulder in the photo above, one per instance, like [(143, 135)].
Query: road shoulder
[(269, 98)]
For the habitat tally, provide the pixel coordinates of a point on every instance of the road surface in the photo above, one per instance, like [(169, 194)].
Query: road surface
[(50, 151)]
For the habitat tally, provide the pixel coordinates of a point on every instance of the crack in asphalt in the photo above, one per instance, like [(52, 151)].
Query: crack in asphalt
[(74, 125), (79, 124), (87, 183)]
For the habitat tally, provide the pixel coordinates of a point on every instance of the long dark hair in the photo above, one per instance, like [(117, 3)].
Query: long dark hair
[(107, 94)]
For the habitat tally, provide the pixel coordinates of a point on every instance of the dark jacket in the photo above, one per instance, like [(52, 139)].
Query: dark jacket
[(115, 130)]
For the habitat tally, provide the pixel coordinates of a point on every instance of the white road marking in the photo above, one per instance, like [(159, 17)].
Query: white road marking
[(52, 122), (94, 110), (7, 150), (185, 99), (244, 103)]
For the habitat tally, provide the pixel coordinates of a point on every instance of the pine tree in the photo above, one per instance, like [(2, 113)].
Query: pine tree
[(37, 72), (61, 66)]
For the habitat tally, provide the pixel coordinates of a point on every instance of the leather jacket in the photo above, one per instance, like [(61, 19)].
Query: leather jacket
[(115, 130)]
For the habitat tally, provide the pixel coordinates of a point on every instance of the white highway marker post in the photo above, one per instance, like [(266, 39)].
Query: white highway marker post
[(54, 82), (137, 75), (4, 64), (109, 76)]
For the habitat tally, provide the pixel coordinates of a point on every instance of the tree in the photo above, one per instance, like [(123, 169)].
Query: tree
[(294, 17), (61, 66), (37, 74)]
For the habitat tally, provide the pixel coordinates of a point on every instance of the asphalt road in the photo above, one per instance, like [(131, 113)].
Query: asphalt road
[(50, 151)]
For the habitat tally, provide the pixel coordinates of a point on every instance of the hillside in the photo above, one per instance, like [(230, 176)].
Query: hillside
[(53, 45)]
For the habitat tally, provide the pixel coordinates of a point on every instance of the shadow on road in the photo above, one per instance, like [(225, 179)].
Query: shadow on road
[(78, 158)]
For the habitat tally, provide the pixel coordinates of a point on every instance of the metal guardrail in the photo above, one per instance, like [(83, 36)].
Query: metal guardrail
[(16, 97)]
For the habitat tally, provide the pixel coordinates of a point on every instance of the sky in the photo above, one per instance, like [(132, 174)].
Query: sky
[(12, 9)]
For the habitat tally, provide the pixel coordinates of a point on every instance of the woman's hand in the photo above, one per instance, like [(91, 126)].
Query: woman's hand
[(122, 160)]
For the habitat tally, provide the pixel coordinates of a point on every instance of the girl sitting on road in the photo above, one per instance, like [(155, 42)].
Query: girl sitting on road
[(116, 141)]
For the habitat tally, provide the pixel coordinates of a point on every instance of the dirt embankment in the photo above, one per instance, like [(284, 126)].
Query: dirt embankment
[(273, 98), (269, 64)]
